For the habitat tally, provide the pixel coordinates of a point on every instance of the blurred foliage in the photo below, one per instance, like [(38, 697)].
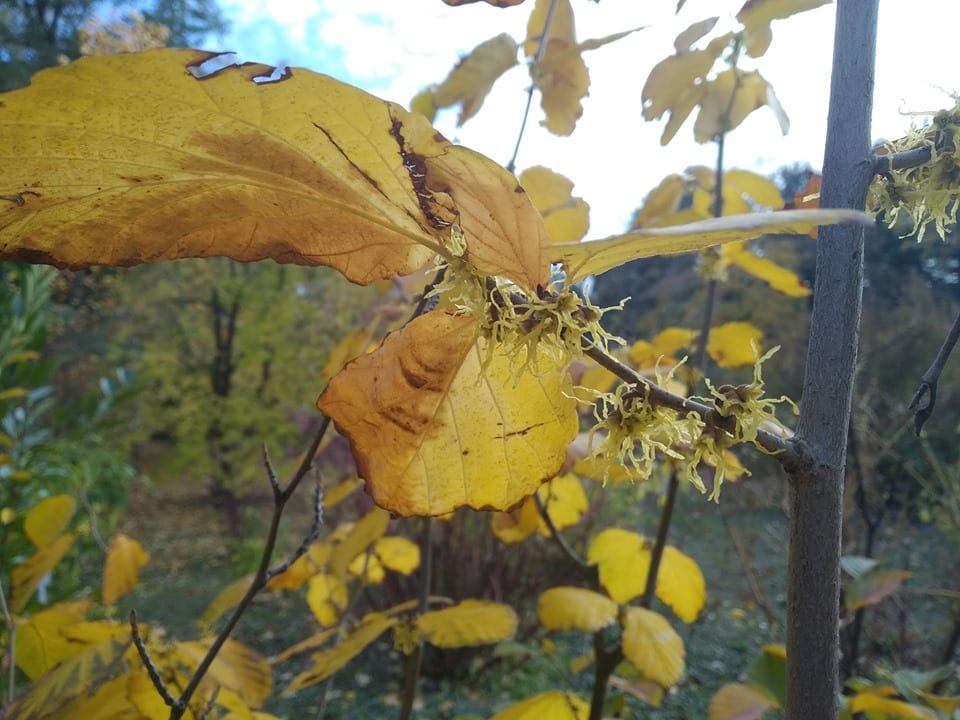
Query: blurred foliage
[(35, 34), (49, 447)]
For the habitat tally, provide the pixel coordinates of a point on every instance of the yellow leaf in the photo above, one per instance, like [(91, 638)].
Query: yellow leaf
[(20, 475), (54, 690), (663, 200), (28, 574), (301, 570), (350, 346), (868, 701), (555, 705), (756, 187), (236, 668), (694, 32), (871, 588), (144, 696), (7, 515), (675, 86), (756, 40), (333, 497), (573, 608), (730, 344), (947, 705), (652, 646), (729, 98), (597, 256), (596, 43), (125, 557), (364, 533), (48, 518), (623, 561), (13, 394), (181, 156), (226, 599), (423, 103), (561, 74), (680, 584), (368, 568), (469, 623), (326, 663), (517, 525), (397, 553), (739, 702), (432, 430), (763, 12), (109, 702), (469, 83), (567, 218), (565, 501), (39, 645), (777, 277), (314, 641)]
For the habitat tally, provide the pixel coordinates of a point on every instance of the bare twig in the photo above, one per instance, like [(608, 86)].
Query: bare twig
[(11, 646), (152, 670), (535, 64), (929, 380), (263, 574), (210, 703), (415, 659), (590, 571), (94, 529)]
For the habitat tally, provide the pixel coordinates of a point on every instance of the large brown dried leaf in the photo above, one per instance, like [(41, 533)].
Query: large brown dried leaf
[(167, 154), (432, 428)]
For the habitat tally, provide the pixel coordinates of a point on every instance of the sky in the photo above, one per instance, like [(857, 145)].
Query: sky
[(394, 48)]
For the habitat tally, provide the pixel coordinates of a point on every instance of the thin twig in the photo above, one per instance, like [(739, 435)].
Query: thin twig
[(94, 529), (415, 659), (152, 670), (210, 703), (590, 571), (663, 529), (511, 165), (11, 646), (929, 380), (264, 571)]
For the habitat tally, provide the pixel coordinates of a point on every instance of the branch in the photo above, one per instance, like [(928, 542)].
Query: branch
[(589, 571), (771, 442), (11, 646), (883, 164), (816, 480), (152, 670), (264, 572), (928, 381), (415, 659), (511, 165)]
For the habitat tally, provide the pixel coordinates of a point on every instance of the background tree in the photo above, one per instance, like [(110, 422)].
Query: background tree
[(35, 34)]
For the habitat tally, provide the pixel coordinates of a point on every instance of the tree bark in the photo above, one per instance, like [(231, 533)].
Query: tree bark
[(816, 478)]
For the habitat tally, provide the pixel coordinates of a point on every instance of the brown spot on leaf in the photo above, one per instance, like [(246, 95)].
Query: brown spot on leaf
[(360, 171)]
